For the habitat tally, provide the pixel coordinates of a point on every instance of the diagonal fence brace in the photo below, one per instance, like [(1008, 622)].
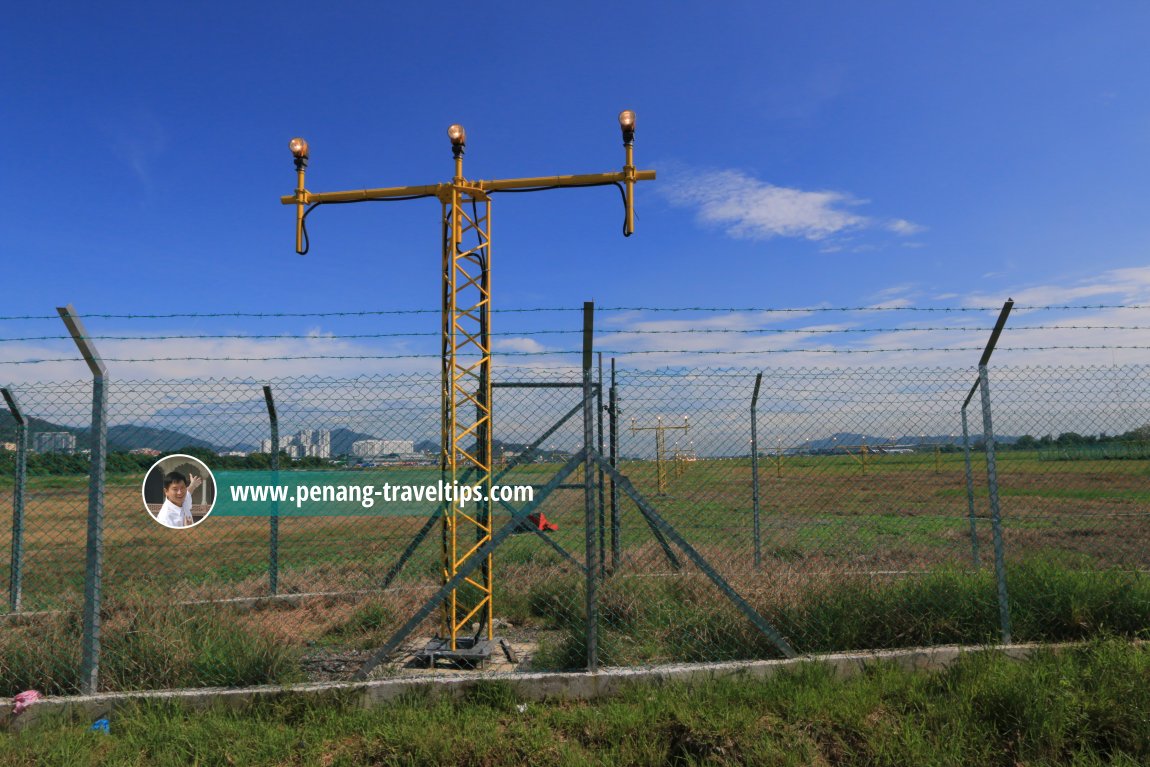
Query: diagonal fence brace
[(699, 560), (468, 568)]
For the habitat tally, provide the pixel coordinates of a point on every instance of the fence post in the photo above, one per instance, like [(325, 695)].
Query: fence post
[(995, 512), (16, 575), (592, 604), (94, 555), (755, 469), (614, 461), (969, 485), (599, 444), (274, 519)]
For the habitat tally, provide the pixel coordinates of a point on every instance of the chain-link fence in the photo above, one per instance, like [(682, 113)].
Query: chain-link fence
[(728, 514)]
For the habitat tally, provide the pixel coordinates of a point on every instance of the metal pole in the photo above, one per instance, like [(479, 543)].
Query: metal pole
[(755, 468), (969, 490), (94, 555), (599, 444), (274, 519), (995, 511), (592, 605), (16, 575), (616, 531)]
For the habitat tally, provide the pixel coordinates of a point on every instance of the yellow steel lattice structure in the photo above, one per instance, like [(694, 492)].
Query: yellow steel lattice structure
[(466, 457), (466, 401)]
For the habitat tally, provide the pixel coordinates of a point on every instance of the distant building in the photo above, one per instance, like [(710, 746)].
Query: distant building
[(314, 443), (145, 451), (54, 442), (370, 448)]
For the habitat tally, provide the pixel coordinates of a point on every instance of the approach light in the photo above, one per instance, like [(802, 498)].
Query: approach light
[(627, 124)]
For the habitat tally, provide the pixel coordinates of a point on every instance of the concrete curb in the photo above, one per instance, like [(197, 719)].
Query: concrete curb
[(530, 686)]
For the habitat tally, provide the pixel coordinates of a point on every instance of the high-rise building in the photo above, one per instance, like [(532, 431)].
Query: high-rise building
[(54, 442)]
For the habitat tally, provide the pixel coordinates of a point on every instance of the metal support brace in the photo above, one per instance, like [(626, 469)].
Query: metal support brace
[(467, 568), (768, 630)]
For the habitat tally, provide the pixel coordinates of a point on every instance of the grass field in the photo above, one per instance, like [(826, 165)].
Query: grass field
[(830, 527), (1088, 706)]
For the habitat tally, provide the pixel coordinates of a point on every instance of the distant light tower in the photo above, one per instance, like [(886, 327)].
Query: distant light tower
[(661, 445)]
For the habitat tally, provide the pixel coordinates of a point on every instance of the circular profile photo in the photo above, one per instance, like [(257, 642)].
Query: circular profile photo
[(179, 491)]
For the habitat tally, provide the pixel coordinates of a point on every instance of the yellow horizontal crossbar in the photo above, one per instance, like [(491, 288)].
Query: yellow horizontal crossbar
[(586, 179)]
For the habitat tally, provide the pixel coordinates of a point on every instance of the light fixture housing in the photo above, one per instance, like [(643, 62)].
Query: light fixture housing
[(298, 147)]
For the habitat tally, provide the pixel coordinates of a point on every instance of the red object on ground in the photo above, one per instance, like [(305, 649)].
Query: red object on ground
[(541, 522)]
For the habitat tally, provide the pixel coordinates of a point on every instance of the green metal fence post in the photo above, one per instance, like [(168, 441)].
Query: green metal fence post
[(613, 412), (16, 572), (969, 489), (755, 470), (592, 552), (274, 517), (995, 511), (94, 555)]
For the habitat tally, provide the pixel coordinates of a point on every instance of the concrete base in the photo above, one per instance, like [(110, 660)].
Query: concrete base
[(85, 709), (468, 653)]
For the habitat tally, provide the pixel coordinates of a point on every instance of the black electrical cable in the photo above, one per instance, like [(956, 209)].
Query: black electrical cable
[(616, 184), (314, 205)]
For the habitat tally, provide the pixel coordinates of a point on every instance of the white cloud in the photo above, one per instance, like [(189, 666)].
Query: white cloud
[(749, 208), (904, 227), (519, 345)]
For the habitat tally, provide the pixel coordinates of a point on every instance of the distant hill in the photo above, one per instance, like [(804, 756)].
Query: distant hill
[(8, 426), (120, 438), (131, 437), (852, 440)]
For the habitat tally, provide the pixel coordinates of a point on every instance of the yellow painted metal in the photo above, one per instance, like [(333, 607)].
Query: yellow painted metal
[(443, 191), (466, 433), (466, 400), (661, 445), (300, 191), (629, 175)]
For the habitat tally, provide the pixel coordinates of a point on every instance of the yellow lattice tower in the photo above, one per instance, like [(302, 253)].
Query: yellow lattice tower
[(467, 417)]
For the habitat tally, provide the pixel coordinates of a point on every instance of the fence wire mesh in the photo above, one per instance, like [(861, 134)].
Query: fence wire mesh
[(830, 511)]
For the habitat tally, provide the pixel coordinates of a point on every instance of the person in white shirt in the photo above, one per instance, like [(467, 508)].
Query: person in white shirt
[(177, 508)]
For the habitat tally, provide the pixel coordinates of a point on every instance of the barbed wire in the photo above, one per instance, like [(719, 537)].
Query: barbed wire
[(576, 352), (519, 334), (540, 309)]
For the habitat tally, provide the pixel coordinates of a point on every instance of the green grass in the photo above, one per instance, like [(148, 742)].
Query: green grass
[(688, 620), (1085, 706), (145, 646)]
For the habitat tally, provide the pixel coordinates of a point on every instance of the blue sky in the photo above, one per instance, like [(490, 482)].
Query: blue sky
[(809, 155)]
